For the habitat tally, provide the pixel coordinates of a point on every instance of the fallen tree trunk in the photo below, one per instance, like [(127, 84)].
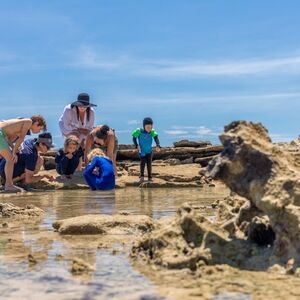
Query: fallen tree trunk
[(180, 153)]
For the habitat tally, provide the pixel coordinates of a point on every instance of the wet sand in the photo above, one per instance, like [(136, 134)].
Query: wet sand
[(37, 262)]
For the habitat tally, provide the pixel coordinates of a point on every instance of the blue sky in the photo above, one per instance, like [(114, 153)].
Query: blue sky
[(192, 65)]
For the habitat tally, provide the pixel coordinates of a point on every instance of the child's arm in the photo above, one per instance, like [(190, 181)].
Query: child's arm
[(89, 176), (134, 139), (24, 129), (61, 162), (157, 141), (91, 166), (135, 136), (154, 134)]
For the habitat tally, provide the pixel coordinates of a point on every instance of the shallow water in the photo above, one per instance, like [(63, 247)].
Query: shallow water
[(114, 277)]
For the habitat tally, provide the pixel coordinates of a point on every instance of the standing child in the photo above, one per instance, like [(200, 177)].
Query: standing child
[(142, 139), (99, 173), (68, 159)]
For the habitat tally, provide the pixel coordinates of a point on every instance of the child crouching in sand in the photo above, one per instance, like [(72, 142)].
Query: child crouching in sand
[(69, 158), (99, 173)]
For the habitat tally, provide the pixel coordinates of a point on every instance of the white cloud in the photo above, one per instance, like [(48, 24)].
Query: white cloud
[(123, 131), (202, 130), (176, 132), (134, 122), (198, 68), (88, 57), (192, 131), (277, 137)]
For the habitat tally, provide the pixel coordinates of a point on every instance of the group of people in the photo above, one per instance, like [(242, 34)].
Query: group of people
[(85, 144)]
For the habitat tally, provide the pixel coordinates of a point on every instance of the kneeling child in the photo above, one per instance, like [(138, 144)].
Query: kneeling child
[(99, 173)]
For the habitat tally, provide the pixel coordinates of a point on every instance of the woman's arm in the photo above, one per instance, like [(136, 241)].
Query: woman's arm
[(110, 146), (88, 144), (65, 122), (111, 151)]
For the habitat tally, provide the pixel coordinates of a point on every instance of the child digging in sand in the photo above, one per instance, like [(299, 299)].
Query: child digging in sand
[(12, 134), (69, 158), (99, 173), (142, 139)]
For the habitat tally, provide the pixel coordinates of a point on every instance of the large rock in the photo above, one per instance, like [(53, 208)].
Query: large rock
[(49, 163), (268, 176), (103, 224)]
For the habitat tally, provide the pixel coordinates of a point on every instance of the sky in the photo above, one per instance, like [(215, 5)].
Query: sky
[(191, 65)]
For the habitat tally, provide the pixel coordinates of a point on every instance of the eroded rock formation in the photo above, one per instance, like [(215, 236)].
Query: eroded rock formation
[(189, 240), (268, 176)]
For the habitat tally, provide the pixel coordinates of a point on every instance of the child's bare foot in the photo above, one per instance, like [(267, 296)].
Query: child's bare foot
[(13, 189), (142, 179)]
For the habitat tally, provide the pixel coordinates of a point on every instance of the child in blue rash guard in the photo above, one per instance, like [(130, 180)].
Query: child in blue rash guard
[(142, 139), (68, 159), (99, 173)]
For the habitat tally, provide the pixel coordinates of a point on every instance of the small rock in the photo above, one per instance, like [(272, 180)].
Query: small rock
[(31, 259), (80, 267), (277, 269)]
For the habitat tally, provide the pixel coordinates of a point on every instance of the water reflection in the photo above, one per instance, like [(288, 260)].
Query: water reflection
[(45, 274)]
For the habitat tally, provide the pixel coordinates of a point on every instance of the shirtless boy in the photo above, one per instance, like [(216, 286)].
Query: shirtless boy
[(12, 134)]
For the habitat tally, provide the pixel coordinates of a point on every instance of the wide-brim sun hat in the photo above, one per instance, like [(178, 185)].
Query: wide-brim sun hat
[(83, 100)]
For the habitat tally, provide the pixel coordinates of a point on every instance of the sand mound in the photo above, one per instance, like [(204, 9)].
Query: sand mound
[(103, 224), (10, 210)]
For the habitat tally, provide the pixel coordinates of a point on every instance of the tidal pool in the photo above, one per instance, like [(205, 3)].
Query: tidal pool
[(48, 276)]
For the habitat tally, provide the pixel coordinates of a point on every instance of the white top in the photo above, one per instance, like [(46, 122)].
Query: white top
[(69, 121)]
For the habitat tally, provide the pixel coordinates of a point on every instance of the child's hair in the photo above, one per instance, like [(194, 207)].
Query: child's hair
[(95, 152), (72, 139), (40, 120)]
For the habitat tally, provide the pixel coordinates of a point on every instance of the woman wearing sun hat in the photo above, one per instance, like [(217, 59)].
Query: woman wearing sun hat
[(78, 118)]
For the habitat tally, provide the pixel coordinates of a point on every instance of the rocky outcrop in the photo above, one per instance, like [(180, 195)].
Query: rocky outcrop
[(189, 240), (184, 152), (103, 224), (10, 210), (268, 176), (165, 176), (179, 166)]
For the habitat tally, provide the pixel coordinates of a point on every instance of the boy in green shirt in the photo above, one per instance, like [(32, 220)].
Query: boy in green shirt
[(142, 139)]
